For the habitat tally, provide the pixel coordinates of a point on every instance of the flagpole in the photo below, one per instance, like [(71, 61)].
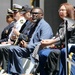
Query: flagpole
[(11, 4)]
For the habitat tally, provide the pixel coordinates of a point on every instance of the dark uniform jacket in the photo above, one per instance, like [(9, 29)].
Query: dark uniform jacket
[(5, 33), (24, 32)]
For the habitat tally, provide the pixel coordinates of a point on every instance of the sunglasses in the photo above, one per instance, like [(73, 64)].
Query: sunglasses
[(35, 13)]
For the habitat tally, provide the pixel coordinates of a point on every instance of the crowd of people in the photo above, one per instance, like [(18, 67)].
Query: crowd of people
[(27, 29)]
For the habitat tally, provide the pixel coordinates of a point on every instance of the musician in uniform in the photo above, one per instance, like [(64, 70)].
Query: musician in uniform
[(21, 34), (6, 31)]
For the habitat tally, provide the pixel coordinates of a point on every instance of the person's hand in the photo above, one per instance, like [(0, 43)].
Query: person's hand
[(3, 43), (16, 32), (52, 46), (23, 44), (14, 37), (8, 42), (46, 42)]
